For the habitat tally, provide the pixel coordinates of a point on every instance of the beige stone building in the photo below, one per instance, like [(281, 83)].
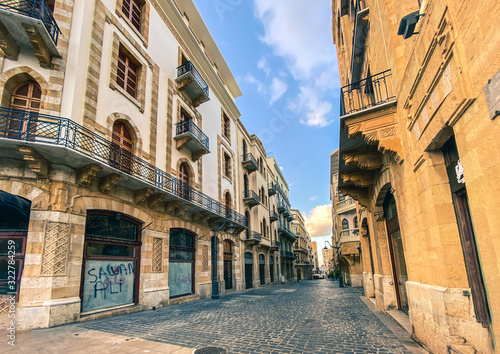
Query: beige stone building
[(283, 216), (346, 230), (121, 157), (314, 247), (302, 249), (419, 123)]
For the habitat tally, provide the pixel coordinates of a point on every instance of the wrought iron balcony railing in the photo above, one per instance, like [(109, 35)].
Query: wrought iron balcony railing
[(373, 91), (349, 233), (250, 194), (46, 129), (188, 126), (254, 236), (189, 67), (271, 189), (286, 254), (273, 216), (37, 9), (249, 162)]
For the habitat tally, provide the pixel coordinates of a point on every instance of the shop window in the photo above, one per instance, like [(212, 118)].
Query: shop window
[(182, 260), (111, 261), (127, 72)]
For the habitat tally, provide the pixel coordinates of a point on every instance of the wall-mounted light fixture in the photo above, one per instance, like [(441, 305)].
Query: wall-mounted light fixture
[(408, 23)]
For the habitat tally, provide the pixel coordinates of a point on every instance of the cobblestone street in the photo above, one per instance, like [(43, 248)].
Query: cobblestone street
[(309, 317)]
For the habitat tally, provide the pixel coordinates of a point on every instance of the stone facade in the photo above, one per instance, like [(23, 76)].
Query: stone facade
[(111, 188), (418, 125)]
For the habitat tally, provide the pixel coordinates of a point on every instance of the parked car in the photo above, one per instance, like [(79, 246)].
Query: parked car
[(318, 276)]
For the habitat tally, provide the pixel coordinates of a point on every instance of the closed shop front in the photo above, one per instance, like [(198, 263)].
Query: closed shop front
[(111, 261), (181, 266)]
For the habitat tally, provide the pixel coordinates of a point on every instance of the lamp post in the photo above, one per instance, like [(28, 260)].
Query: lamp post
[(341, 283), (215, 280)]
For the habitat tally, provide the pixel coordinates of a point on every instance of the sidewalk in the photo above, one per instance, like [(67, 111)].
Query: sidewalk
[(76, 339)]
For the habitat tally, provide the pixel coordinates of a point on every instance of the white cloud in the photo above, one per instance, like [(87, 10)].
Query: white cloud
[(319, 220), (263, 65), (252, 80), (295, 30), (298, 32), (313, 198), (278, 88)]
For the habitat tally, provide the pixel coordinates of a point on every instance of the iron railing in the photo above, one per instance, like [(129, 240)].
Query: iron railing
[(188, 126), (254, 235), (286, 254), (276, 244), (189, 67), (35, 9), (41, 128), (349, 233), (250, 194), (271, 188), (273, 215), (249, 157), (370, 92)]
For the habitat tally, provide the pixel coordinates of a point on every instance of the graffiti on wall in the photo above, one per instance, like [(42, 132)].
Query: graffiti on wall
[(108, 283)]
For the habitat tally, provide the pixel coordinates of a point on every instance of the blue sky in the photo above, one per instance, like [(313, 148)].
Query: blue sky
[(282, 56)]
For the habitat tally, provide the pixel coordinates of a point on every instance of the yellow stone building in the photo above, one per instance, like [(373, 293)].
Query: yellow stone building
[(419, 133), (304, 259), (121, 163)]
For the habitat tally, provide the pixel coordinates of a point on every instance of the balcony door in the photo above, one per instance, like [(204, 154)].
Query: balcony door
[(184, 178), (228, 264), (27, 99), (249, 270), (121, 154)]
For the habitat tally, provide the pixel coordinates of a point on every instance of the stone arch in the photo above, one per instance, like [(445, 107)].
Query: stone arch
[(12, 78), (134, 130), (382, 186), (110, 204)]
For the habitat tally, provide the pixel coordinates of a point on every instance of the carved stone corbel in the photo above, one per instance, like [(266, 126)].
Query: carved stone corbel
[(85, 174), (155, 200), (195, 156), (181, 210), (180, 143), (142, 194), (42, 52), (8, 43), (36, 162), (367, 160), (184, 83), (108, 182), (171, 206)]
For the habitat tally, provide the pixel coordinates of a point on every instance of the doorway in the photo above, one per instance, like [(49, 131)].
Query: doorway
[(249, 270), (262, 269), (271, 268), (228, 264), (396, 252)]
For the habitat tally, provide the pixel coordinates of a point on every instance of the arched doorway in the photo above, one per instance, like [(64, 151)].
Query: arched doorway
[(25, 104), (271, 268), (121, 156), (110, 276), (396, 251), (228, 264), (15, 216), (249, 270), (262, 269), (247, 231), (182, 262), (245, 185), (184, 174)]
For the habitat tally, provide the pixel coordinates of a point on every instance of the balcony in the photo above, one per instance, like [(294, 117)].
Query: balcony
[(300, 249), (249, 162), (287, 255), (250, 198), (345, 205), (273, 216), (271, 189), (51, 140), (349, 235), (373, 91), (189, 136), (281, 207), (192, 83), (289, 217), (28, 24), (253, 237), (284, 231), (275, 245)]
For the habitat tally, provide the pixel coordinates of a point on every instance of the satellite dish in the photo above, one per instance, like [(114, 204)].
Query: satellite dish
[(408, 23)]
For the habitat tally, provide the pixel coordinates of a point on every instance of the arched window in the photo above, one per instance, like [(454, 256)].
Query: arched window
[(184, 178), (227, 202), (122, 147), (27, 96), (247, 231), (355, 222), (245, 185), (345, 224), (244, 149), (264, 228)]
